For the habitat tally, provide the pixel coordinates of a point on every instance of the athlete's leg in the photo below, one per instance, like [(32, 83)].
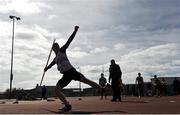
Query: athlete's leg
[(91, 83), (80, 77), (60, 95), (64, 81)]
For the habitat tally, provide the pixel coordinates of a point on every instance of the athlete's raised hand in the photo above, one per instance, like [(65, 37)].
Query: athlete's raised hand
[(76, 27)]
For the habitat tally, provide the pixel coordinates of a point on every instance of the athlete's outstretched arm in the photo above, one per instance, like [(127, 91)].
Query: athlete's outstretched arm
[(49, 66), (71, 38)]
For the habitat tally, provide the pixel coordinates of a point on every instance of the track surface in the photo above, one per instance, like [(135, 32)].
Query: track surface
[(93, 105)]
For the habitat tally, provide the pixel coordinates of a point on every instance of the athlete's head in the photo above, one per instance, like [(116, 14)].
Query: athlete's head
[(55, 47), (139, 74)]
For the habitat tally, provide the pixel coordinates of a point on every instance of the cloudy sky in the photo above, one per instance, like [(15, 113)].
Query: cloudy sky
[(141, 35)]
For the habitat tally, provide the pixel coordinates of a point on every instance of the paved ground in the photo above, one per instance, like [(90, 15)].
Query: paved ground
[(93, 105)]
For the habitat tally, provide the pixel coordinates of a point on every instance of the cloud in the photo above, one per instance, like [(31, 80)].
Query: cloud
[(159, 51), (99, 50), (5, 27), (46, 32), (119, 46), (50, 17), (23, 7), (156, 60), (31, 49), (142, 36), (78, 54), (76, 49)]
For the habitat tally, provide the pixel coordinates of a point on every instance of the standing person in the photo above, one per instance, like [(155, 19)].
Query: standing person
[(140, 85), (176, 86), (157, 86), (164, 86), (115, 76), (68, 71), (102, 82), (43, 92)]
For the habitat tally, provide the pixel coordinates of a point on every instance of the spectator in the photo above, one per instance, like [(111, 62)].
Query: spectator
[(115, 78), (176, 86), (102, 82), (140, 85), (44, 90), (157, 85)]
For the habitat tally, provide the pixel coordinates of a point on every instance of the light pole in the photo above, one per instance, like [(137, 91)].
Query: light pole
[(12, 51)]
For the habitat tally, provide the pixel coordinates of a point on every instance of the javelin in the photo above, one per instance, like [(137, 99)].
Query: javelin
[(47, 62)]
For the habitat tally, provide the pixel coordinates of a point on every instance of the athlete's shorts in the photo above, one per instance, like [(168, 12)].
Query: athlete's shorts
[(68, 76)]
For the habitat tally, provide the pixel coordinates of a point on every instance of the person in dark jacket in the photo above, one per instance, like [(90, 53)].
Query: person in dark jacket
[(158, 88), (43, 93), (115, 78), (102, 82), (176, 86), (140, 85)]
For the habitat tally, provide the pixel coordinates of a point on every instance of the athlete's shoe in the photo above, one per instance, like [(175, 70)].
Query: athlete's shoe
[(66, 108)]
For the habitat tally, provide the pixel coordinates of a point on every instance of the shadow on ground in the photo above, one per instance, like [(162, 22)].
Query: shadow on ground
[(85, 112), (135, 101)]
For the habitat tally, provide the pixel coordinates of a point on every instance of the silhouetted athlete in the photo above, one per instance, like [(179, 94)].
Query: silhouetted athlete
[(140, 85), (68, 71)]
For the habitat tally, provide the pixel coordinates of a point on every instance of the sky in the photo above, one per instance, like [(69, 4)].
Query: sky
[(141, 35)]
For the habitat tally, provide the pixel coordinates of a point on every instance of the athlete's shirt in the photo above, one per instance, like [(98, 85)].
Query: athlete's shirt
[(62, 61)]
